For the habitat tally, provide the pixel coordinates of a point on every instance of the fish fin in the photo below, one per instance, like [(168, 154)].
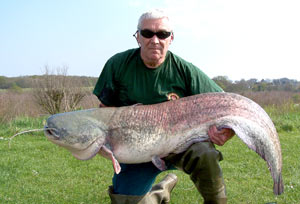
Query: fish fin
[(159, 163), (107, 153), (116, 164)]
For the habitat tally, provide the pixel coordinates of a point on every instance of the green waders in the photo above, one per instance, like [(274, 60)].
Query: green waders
[(201, 162)]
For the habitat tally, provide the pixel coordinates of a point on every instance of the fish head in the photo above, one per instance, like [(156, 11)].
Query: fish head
[(83, 133)]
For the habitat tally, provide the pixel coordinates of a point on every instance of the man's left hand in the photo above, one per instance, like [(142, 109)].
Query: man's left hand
[(219, 137)]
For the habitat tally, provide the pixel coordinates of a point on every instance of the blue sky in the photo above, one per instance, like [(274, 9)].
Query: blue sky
[(234, 38)]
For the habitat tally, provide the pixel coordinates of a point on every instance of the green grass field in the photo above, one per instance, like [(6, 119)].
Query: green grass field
[(34, 170)]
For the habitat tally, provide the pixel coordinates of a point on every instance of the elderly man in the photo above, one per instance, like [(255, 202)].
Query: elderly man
[(152, 74)]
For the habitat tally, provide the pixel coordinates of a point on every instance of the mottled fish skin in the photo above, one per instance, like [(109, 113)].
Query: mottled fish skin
[(141, 133)]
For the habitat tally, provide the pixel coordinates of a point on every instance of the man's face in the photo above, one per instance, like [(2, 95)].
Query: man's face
[(154, 49)]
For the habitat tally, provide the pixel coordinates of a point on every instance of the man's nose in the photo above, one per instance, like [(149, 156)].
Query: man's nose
[(155, 39)]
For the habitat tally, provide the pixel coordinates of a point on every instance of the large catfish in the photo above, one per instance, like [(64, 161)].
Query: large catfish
[(143, 133)]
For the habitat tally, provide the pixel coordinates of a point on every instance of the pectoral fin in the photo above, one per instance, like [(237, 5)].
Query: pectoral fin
[(107, 153), (159, 163)]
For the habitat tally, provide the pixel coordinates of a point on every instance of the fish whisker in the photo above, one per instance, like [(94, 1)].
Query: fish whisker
[(27, 131)]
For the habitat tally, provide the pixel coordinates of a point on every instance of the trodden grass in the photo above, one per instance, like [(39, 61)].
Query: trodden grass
[(34, 170)]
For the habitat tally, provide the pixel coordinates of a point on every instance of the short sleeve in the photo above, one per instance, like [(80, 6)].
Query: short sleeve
[(201, 83), (105, 87)]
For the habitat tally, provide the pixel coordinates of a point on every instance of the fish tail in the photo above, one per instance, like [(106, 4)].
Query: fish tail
[(278, 186)]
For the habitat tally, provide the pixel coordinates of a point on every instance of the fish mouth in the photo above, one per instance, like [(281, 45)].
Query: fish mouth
[(51, 133), (82, 154)]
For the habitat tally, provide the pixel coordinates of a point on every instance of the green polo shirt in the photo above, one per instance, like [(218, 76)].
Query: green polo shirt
[(125, 80)]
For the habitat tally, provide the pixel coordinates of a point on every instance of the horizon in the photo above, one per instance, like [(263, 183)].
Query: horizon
[(227, 78)]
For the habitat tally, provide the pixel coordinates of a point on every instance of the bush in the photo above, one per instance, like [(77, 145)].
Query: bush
[(56, 93)]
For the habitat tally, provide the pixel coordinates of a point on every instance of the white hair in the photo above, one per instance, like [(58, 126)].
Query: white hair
[(152, 14)]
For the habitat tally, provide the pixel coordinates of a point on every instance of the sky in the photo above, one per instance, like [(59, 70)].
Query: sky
[(239, 39)]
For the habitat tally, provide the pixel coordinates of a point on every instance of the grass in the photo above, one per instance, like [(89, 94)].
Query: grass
[(286, 117), (34, 170)]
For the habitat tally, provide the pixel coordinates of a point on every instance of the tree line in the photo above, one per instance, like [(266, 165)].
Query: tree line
[(282, 84), (24, 82)]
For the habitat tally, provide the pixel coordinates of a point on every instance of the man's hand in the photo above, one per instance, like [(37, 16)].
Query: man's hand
[(219, 137), (101, 105)]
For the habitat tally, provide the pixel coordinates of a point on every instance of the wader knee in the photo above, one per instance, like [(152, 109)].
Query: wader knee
[(201, 162), (159, 194)]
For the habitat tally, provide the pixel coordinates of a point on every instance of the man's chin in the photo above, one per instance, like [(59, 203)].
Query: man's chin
[(155, 56)]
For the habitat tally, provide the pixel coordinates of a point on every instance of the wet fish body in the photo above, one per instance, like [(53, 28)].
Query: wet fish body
[(143, 133)]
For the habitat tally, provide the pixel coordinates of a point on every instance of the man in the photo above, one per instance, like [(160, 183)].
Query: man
[(151, 74)]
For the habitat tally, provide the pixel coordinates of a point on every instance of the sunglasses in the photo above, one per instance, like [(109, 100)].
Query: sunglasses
[(160, 34)]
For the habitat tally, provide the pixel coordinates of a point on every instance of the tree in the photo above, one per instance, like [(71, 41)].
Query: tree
[(4, 82), (15, 88), (223, 82)]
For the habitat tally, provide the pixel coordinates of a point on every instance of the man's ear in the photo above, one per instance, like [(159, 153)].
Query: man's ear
[(138, 39), (172, 38)]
